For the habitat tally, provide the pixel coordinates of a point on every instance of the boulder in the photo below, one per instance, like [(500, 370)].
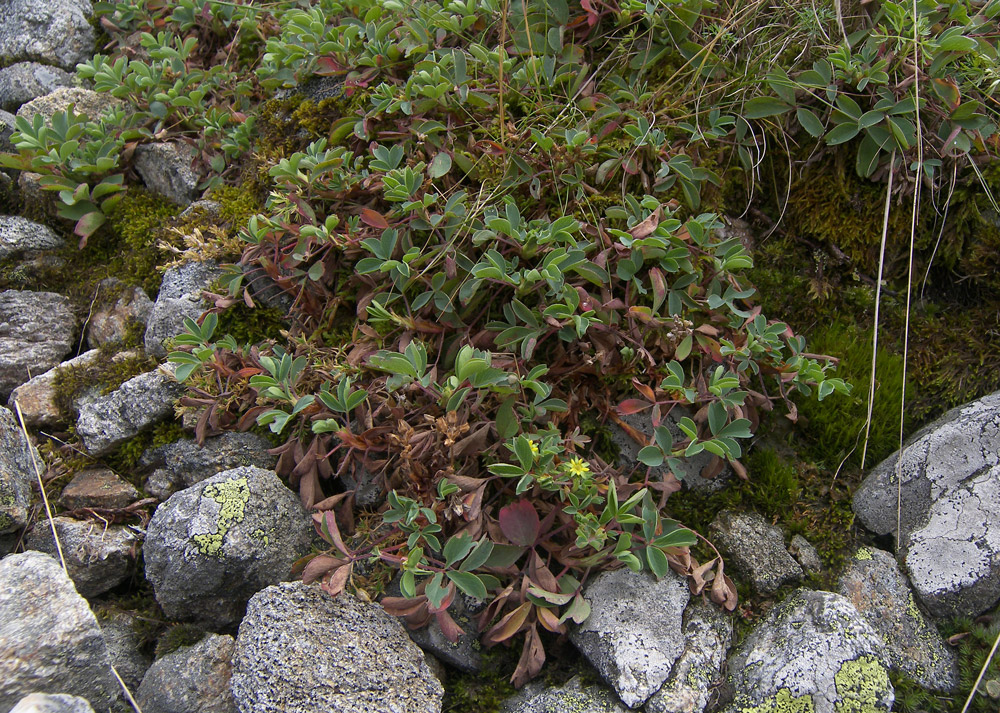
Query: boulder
[(874, 584), (36, 333), (117, 312), (166, 170), (756, 549), (805, 554), (184, 463), (99, 488), (573, 697), (18, 459), (38, 396), (49, 638), (107, 421), (193, 679), (211, 547), (24, 81), (299, 649), (179, 298), (23, 237), (633, 635), (84, 101), (813, 652), (52, 31), (52, 703), (708, 633), (98, 557), (124, 647)]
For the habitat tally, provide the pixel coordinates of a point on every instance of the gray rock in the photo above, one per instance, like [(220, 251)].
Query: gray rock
[(166, 170), (298, 649), (936, 460), (756, 550), (124, 648), (20, 236), (37, 396), (98, 558), (84, 101), (184, 463), (633, 635), (211, 547), (6, 131), (52, 703), (813, 652), (24, 81), (54, 31), (954, 559), (572, 697), (49, 638), (107, 421), (877, 588), (18, 460), (708, 633), (36, 333), (690, 469), (114, 317), (36, 199), (179, 297), (193, 679), (205, 210), (805, 554), (98, 488)]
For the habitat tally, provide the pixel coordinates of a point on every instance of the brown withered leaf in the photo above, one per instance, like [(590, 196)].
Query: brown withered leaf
[(698, 576), (509, 625), (550, 620), (531, 661), (401, 606), (334, 584), (646, 227), (472, 444), (319, 566), (723, 590), (713, 468)]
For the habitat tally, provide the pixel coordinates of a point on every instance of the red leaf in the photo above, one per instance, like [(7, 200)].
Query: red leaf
[(318, 566), (631, 406), (338, 580), (519, 523), (401, 606), (449, 628), (374, 219), (644, 390)]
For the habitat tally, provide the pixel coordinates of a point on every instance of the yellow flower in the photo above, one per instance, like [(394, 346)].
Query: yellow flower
[(578, 467), (534, 448)]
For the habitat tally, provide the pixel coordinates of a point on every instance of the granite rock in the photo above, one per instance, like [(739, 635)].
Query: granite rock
[(23, 237), (756, 549), (193, 679), (52, 703), (114, 317), (179, 298), (36, 333), (52, 31), (18, 460), (24, 81), (38, 396), (166, 170), (573, 697)]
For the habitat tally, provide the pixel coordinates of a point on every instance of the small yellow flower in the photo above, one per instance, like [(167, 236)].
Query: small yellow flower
[(578, 467), (534, 448)]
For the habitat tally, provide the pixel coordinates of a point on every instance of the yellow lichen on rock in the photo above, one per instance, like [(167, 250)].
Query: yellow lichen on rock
[(233, 496)]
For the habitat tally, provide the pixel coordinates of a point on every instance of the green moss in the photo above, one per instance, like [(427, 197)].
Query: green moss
[(232, 495), (178, 636), (237, 204), (251, 325), (137, 222), (484, 691), (106, 375), (125, 457)]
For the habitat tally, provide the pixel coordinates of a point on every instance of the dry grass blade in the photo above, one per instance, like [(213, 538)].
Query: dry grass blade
[(982, 672), (41, 486)]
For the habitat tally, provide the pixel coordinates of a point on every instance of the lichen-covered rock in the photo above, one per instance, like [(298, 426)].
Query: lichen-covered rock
[(166, 170), (708, 633), (98, 557), (805, 554), (193, 679), (114, 317), (24, 81), (953, 559), (84, 101), (124, 647), (53, 31), (813, 653), (211, 547), (20, 236), (184, 463), (38, 396), (52, 703), (36, 333), (573, 697), (49, 639), (756, 549), (98, 488), (179, 298), (110, 420), (690, 469), (935, 461), (6, 131), (877, 588), (299, 649), (633, 635), (17, 472)]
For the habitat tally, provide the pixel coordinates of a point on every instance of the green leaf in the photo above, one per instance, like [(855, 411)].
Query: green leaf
[(457, 547), (479, 555), (841, 133), (658, 564), (651, 456), (468, 583), (439, 166), (684, 348), (506, 424), (503, 556), (760, 107), (810, 122)]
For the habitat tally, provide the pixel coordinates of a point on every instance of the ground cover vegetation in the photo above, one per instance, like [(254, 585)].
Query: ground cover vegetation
[(495, 227)]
